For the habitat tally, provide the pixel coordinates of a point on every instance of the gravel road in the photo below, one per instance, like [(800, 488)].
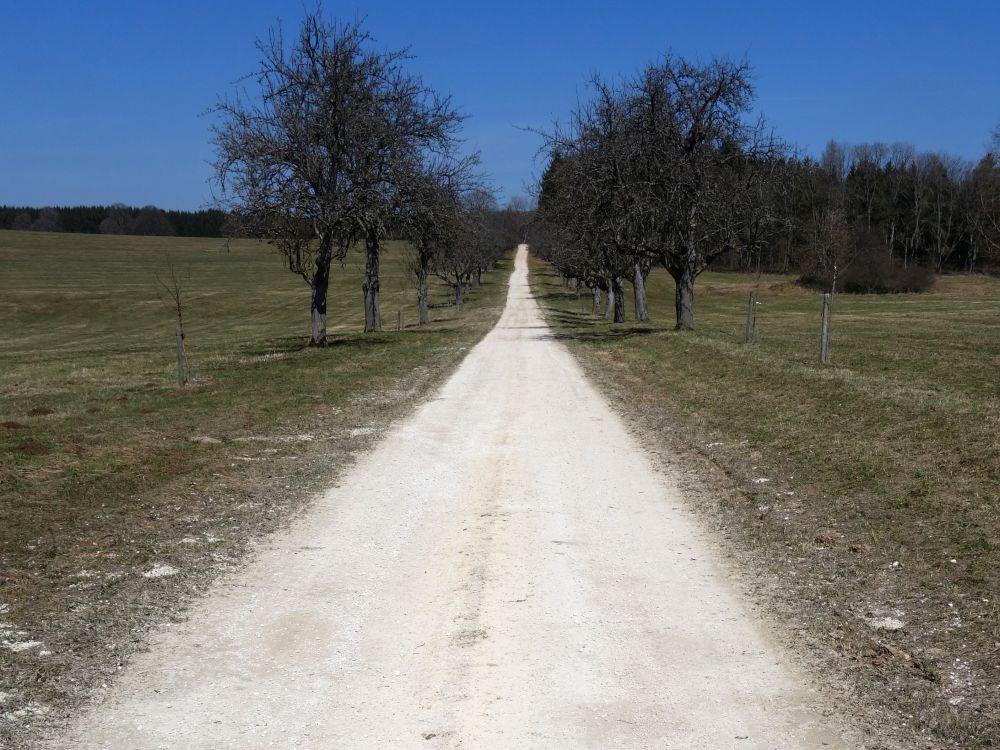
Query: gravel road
[(505, 570)]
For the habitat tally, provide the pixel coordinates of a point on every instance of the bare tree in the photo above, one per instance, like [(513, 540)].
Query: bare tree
[(830, 246), (519, 204), (946, 175), (867, 162), (918, 181), (575, 203), (476, 244), (834, 160), (899, 160), (231, 229), (432, 217), (662, 167), (590, 193), (700, 158), (316, 161), (172, 289), (639, 276), (981, 210)]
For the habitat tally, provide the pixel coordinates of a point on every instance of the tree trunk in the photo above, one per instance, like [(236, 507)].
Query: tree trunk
[(182, 375), (373, 318), (824, 332), (422, 305), (748, 332), (595, 295), (320, 284), (610, 306), (458, 290), (641, 311), (684, 299), (619, 294), (578, 287)]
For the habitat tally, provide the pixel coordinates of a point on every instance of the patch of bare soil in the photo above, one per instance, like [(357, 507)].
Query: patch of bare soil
[(31, 447)]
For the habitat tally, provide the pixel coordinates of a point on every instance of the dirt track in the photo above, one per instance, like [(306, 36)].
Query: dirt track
[(505, 570)]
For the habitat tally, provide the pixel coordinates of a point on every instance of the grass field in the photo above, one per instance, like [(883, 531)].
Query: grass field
[(870, 488), (111, 475)]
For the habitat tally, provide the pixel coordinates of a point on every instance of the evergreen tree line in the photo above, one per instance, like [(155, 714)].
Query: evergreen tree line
[(116, 219)]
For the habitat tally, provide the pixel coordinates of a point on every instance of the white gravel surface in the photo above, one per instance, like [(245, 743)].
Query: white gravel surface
[(505, 570)]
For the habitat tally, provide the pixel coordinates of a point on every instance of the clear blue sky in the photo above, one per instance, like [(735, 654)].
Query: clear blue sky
[(101, 101)]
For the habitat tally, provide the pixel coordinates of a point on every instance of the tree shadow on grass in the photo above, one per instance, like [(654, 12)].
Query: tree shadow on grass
[(604, 334), (274, 346), (574, 319), (286, 345), (553, 296), (360, 340), (433, 328)]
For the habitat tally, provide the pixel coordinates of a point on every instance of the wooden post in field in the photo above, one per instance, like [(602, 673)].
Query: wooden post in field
[(824, 334), (751, 322), (182, 377), (399, 320)]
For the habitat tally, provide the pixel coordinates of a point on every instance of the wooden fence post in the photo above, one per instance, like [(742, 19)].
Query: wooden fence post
[(824, 334), (182, 377), (399, 320), (748, 334)]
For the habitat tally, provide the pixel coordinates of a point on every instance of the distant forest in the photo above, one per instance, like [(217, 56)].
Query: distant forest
[(116, 219), (877, 210)]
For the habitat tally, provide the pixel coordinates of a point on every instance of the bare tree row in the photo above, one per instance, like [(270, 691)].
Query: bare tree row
[(338, 145), (669, 167), (664, 167)]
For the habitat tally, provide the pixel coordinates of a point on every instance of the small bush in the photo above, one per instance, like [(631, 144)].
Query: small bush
[(871, 271), (877, 274)]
